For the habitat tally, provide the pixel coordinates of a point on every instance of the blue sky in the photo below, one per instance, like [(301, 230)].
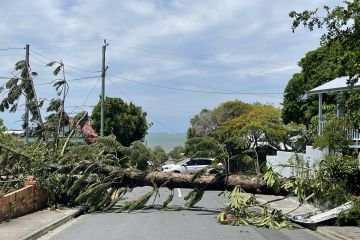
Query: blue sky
[(172, 58)]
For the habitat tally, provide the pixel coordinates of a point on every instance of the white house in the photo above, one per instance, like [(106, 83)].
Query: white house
[(311, 155)]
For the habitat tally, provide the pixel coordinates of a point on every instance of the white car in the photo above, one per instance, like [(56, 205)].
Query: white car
[(188, 165)]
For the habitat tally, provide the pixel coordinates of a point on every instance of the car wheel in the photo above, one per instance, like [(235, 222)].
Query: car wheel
[(176, 171)]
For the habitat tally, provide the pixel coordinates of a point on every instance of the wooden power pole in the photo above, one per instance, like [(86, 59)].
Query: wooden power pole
[(27, 54), (103, 70)]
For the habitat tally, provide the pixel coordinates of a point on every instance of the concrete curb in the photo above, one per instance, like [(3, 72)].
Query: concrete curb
[(331, 234), (324, 232), (42, 231)]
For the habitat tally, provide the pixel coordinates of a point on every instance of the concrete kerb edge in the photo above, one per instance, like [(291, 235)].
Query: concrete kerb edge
[(331, 234), (42, 231)]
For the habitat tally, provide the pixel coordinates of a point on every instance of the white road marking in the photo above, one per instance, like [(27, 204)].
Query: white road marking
[(179, 193)]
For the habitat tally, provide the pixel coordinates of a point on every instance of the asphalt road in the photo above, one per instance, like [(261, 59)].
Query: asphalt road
[(198, 223)]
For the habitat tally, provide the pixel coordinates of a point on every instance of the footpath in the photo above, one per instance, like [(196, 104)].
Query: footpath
[(34, 225), (37, 224), (291, 205)]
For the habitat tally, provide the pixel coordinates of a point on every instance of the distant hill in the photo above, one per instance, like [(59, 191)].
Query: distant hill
[(166, 140)]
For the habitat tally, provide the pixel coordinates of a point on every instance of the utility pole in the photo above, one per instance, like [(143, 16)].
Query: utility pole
[(103, 70), (27, 54)]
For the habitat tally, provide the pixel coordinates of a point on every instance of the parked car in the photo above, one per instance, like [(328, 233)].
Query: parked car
[(188, 165)]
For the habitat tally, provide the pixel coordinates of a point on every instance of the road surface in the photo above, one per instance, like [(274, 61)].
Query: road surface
[(198, 223)]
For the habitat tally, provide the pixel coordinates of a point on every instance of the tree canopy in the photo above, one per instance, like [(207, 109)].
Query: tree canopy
[(317, 67), (126, 121), (237, 132), (177, 153), (342, 38), (261, 124), (207, 120), (160, 154)]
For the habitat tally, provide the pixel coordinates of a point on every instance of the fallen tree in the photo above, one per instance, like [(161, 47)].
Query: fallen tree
[(98, 176), (134, 178), (250, 184)]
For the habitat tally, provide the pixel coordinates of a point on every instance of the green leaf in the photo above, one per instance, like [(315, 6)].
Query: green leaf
[(193, 197), (57, 70), (169, 199), (50, 64)]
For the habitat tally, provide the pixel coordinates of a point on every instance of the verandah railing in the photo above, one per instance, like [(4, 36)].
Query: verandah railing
[(354, 134)]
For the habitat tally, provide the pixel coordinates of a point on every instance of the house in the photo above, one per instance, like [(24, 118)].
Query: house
[(312, 155), (336, 85)]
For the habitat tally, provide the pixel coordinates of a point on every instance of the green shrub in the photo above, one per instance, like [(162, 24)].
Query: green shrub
[(351, 217)]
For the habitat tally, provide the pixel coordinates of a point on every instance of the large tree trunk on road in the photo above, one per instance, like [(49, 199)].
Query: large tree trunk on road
[(250, 184), (136, 178)]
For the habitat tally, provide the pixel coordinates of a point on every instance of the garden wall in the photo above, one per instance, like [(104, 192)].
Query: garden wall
[(25, 200)]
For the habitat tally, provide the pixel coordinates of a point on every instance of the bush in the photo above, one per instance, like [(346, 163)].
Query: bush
[(351, 217)]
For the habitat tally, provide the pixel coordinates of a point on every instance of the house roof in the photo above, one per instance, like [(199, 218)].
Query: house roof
[(336, 85)]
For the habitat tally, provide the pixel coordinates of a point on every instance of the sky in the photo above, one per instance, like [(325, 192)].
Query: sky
[(171, 57)]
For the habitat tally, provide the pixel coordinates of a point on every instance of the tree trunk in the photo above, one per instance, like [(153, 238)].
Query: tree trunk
[(250, 184), (257, 165), (136, 178)]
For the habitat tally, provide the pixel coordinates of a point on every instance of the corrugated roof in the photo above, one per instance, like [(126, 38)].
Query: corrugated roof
[(336, 85)]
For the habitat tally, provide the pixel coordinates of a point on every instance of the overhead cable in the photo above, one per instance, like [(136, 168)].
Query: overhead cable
[(155, 120), (193, 90), (73, 67)]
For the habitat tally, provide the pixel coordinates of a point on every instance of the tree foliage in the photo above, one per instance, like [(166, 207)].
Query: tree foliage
[(160, 154), (317, 67), (246, 132), (259, 125), (15, 88), (206, 147), (239, 212), (342, 36), (98, 175), (177, 153), (126, 121), (336, 178), (2, 127), (209, 120)]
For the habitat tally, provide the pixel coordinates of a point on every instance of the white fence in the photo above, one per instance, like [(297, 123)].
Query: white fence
[(280, 162)]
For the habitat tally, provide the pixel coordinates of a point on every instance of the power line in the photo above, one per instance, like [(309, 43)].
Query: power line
[(39, 60), (190, 84), (11, 55), (195, 91), (160, 123), (67, 49), (45, 83), (118, 88), (204, 58), (164, 50), (73, 67), (69, 80), (75, 79), (91, 91), (10, 48), (74, 40), (82, 78)]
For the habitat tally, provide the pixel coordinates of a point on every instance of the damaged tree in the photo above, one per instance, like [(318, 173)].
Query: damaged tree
[(135, 178)]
